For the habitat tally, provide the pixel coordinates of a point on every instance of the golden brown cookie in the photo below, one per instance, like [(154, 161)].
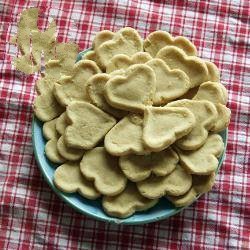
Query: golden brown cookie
[(170, 84), (103, 169), (86, 131), (162, 126), (193, 66), (176, 183), (68, 178), (126, 203), (126, 41), (132, 91), (202, 161), (126, 137), (139, 167), (205, 115), (159, 39)]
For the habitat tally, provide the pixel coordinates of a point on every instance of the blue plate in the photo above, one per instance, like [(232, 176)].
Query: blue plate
[(164, 209)]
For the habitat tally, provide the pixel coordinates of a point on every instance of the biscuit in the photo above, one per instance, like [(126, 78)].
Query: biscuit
[(50, 133), (86, 131), (70, 154), (201, 184), (49, 130), (132, 91), (217, 94), (213, 72), (68, 178), (194, 67), (101, 168), (95, 90), (170, 84), (90, 55), (126, 203), (189, 94), (101, 37), (45, 105), (122, 61), (52, 153), (202, 161), (162, 126), (140, 167), (61, 123), (205, 115), (126, 41), (176, 183), (159, 39), (73, 87), (126, 137)]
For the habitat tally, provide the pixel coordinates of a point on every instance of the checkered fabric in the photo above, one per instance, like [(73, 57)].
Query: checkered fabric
[(33, 217)]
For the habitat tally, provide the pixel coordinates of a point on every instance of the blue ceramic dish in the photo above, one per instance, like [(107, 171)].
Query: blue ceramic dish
[(164, 209)]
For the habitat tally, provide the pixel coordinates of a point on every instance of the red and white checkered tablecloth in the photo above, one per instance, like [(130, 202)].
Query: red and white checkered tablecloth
[(33, 217)]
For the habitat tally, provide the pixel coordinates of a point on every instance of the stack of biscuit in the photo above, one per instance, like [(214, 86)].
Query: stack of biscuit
[(133, 121)]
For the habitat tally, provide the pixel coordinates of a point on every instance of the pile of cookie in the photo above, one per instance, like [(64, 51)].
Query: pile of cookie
[(133, 121)]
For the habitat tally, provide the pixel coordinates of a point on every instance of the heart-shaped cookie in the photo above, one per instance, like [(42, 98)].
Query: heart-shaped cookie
[(205, 115), (95, 89), (126, 203), (202, 161), (176, 183), (140, 167), (217, 94), (126, 137), (61, 123), (68, 178), (162, 126), (159, 39), (213, 72), (73, 87), (132, 91), (170, 84), (102, 168), (122, 61), (126, 41), (85, 131), (194, 67)]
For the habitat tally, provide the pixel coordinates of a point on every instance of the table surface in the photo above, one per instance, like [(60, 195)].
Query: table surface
[(33, 217)]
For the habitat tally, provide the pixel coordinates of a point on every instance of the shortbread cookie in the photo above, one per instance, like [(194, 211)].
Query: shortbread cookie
[(205, 115), (126, 41), (139, 167), (201, 184), (202, 161), (45, 105), (68, 178), (217, 94), (122, 61), (87, 130), (101, 37), (73, 87), (162, 126), (95, 89), (132, 91), (194, 67), (183, 200), (126, 203), (50, 133), (70, 154), (49, 130), (97, 165), (176, 183), (170, 84), (52, 153), (90, 55), (126, 137), (189, 94), (61, 123), (159, 39), (213, 92), (213, 72)]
